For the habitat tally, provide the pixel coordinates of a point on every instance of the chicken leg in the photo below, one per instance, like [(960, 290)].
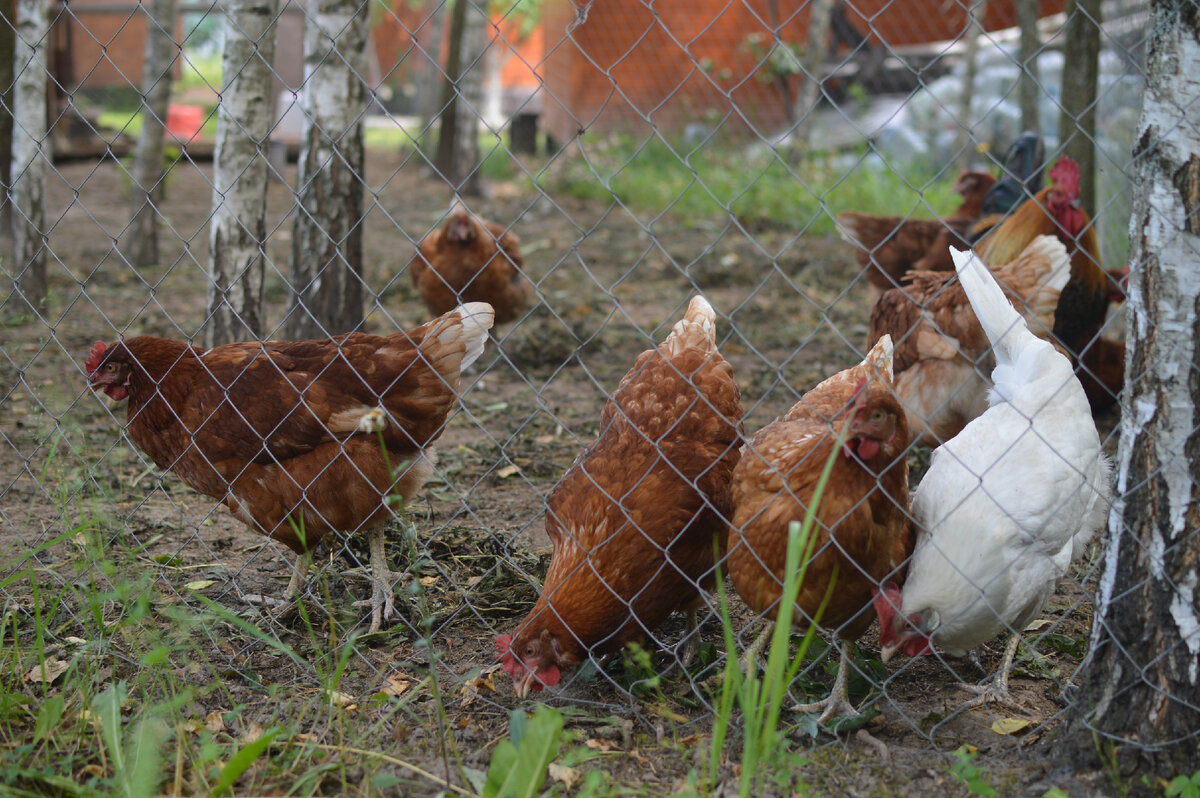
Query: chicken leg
[(997, 689), (383, 599), (837, 703)]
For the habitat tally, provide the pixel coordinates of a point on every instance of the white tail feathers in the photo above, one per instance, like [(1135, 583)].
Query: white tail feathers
[(880, 356), (1001, 323), (469, 323), (697, 328)]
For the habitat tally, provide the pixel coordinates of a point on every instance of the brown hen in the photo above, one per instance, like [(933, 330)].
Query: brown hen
[(863, 531), (889, 246), (469, 259), (942, 355), (637, 519), (299, 438)]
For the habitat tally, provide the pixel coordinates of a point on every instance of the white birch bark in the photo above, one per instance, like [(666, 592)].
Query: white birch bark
[(1142, 675), (30, 152), (240, 173), (812, 67), (327, 281), (148, 170)]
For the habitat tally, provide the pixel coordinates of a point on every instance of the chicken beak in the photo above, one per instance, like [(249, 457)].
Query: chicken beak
[(524, 685), (887, 652)]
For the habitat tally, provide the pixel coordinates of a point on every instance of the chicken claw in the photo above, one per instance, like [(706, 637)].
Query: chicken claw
[(837, 703)]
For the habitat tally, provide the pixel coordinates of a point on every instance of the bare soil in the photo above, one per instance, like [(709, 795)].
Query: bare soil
[(793, 310)]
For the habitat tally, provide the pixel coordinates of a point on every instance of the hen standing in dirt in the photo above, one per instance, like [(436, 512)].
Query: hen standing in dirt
[(635, 520), (863, 531), (469, 259), (288, 433)]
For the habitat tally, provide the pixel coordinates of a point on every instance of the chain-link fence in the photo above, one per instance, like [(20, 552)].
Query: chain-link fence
[(629, 156)]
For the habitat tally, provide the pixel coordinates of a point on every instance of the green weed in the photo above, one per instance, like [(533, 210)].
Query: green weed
[(973, 776)]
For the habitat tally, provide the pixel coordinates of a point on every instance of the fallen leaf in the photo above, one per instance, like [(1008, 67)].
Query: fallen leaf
[(339, 699), (1040, 623), (214, 722), (305, 737), (75, 641), (473, 688), (1010, 725), (474, 580), (252, 733), (566, 775), (47, 672), (544, 439), (507, 471), (396, 684), (192, 725), (602, 745), (200, 584), (426, 581)]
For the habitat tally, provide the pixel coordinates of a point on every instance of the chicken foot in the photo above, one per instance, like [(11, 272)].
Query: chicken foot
[(837, 703), (996, 690), (689, 647), (383, 598)]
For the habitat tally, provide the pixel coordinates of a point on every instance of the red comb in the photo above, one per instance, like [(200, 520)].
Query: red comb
[(1065, 175), (95, 356), (503, 645)]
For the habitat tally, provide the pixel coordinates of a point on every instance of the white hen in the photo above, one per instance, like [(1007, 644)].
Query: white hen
[(1006, 504)]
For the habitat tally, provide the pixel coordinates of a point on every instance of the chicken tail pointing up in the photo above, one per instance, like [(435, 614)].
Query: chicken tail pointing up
[(1004, 327), (697, 329), (469, 324)]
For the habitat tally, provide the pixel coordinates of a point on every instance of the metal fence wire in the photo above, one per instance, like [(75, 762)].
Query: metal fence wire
[(630, 156)]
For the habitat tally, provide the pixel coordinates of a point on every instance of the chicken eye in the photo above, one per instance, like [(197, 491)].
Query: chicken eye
[(529, 650), (111, 367), (877, 416)]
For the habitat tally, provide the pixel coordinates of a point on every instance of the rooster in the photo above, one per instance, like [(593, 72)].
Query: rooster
[(940, 345), (298, 438), (469, 259), (863, 534), (1006, 505), (888, 246), (637, 520)]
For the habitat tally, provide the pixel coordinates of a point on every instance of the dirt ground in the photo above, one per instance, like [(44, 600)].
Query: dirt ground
[(792, 311)]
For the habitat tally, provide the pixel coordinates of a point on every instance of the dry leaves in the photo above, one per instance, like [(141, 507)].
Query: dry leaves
[(1011, 725), (567, 776), (473, 688), (395, 685), (214, 721), (47, 672)]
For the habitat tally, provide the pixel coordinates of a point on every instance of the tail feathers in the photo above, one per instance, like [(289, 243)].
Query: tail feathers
[(696, 330), (1001, 323), (467, 324)]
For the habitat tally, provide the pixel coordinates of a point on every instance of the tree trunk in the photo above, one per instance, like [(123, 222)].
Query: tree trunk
[(458, 133), (148, 171), (781, 80), (429, 69), (327, 282), (1028, 83), (976, 17), (1139, 684), (1077, 124), (30, 151), (8, 43), (812, 67), (240, 173)]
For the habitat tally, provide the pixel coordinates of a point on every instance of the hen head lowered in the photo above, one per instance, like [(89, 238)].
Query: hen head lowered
[(911, 636), (538, 663)]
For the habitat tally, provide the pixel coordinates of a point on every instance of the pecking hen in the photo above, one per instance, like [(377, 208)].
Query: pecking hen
[(1006, 505), (469, 259), (941, 348), (637, 519), (864, 535), (288, 433), (888, 246)]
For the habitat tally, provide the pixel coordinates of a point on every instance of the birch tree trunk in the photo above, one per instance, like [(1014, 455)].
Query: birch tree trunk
[(1077, 123), (458, 130), (1027, 83), (327, 282), (812, 67), (8, 43), (240, 173), (30, 151), (976, 18), (1139, 685), (429, 70), (148, 173)]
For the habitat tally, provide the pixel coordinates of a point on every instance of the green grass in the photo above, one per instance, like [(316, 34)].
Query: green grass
[(755, 183)]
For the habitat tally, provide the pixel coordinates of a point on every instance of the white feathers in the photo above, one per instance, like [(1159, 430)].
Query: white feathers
[(697, 328), (1007, 503), (477, 319)]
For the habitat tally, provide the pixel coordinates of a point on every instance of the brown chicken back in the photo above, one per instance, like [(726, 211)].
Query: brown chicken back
[(889, 246), (469, 259), (287, 433), (635, 520)]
